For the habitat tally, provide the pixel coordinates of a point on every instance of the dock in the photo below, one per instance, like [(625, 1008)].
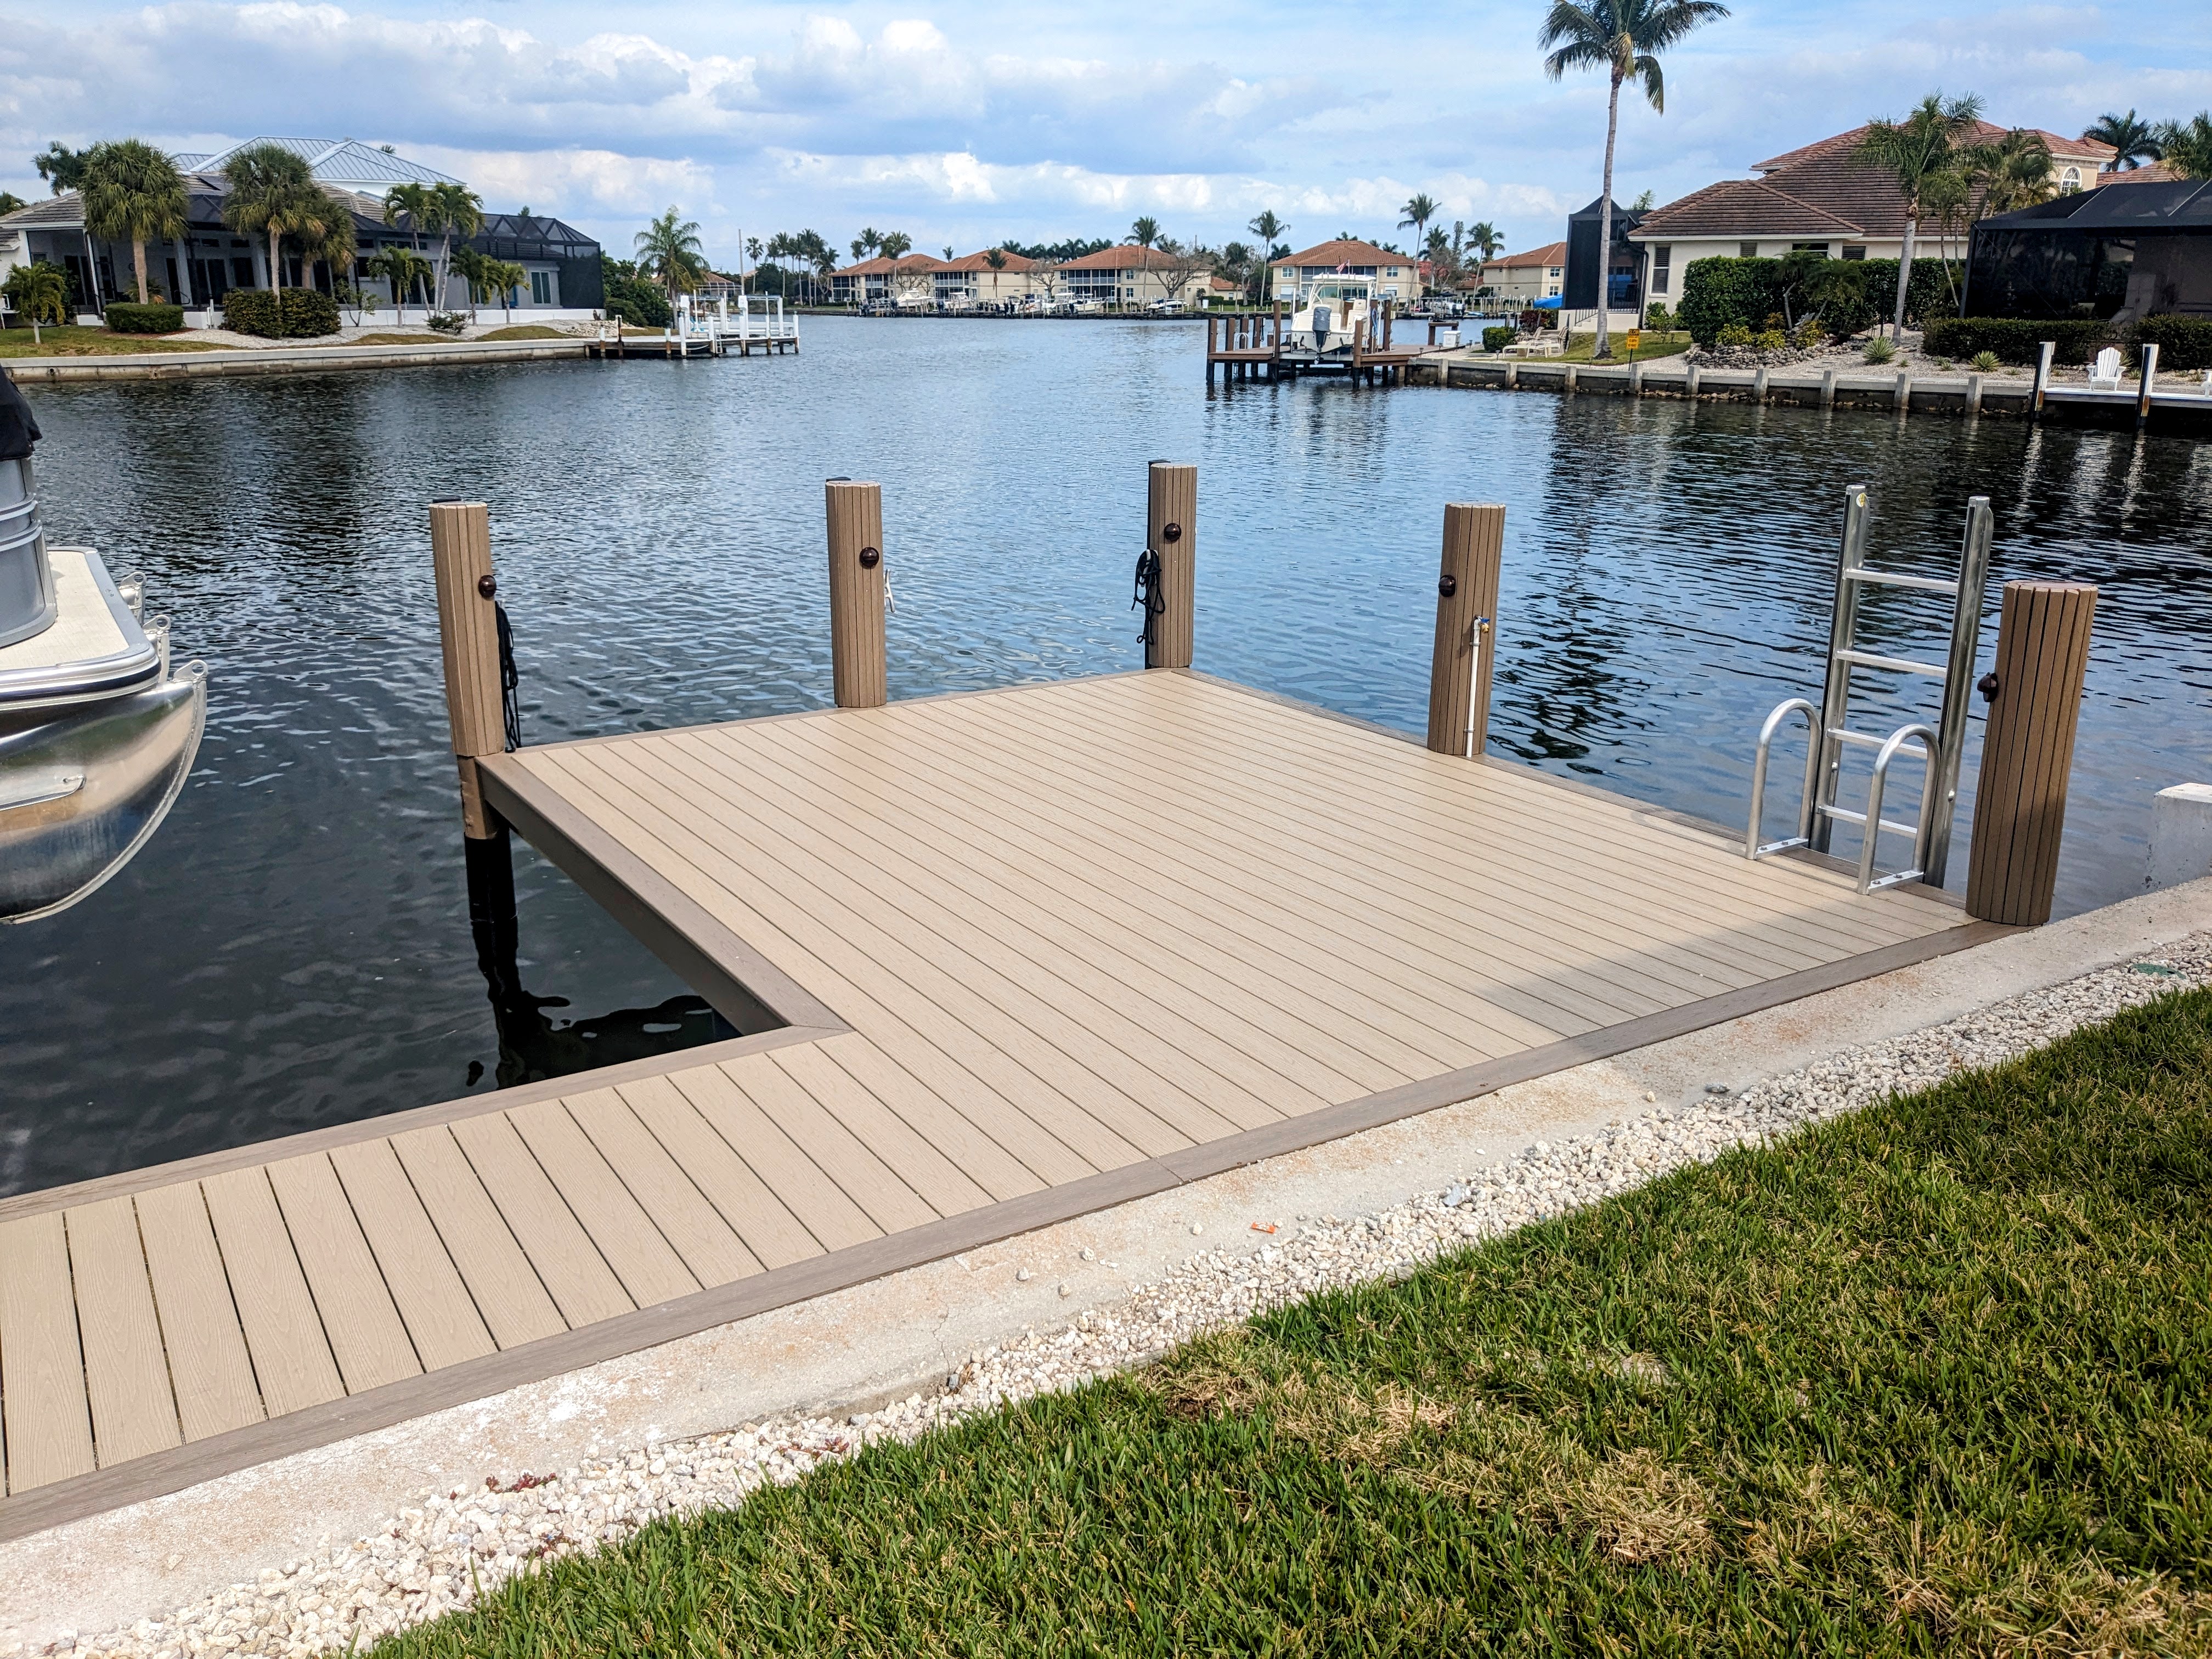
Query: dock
[(1002, 958), (1244, 343), (719, 321)]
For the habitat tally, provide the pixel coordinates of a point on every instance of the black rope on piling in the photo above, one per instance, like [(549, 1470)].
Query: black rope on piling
[(509, 678), (1149, 597)]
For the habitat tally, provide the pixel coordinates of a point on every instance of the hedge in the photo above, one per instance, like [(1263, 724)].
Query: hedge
[(297, 313), (1497, 339), (2182, 341), (2016, 339), (126, 316), (638, 302), (1847, 295)]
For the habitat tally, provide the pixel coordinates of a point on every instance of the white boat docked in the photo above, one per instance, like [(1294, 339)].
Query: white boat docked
[(97, 735), (1329, 314)]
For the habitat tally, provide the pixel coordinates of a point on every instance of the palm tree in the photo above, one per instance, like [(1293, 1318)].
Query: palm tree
[(1419, 212), (412, 203), (475, 270), (2012, 172), (2186, 147), (896, 245), (1269, 229), (1485, 240), (133, 193), (406, 271), (867, 242), (503, 278), (326, 232), (40, 293), (2133, 141), (1924, 151), (1145, 232), (269, 190), (996, 259), (669, 249), (1623, 38), (452, 209)]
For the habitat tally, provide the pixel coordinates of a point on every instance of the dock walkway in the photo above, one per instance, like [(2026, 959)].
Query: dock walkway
[(1035, 951)]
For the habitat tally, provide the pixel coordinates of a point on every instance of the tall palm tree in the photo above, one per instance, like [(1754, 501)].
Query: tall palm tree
[(269, 190), (2133, 141), (2011, 172), (1419, 212), (895, 245), (2186, 146), (475, 270), (133, 193), (450, 209), (867, 242), (1924, 151), (326, 231), (668, 249), (503, 277), (996, 259), (1485, 240), (1625, 38), (412, 203), (1144, 233)]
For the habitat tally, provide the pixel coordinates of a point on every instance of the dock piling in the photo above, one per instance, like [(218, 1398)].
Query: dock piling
[(1466, 630), (476, 710), (2042, 377), (2027, 749), (1172, 537), (2149, 374), (855, 515)]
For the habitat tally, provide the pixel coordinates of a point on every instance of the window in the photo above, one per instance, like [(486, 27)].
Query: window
[(2069, 181), (1663, 259), (1747, 250), (241, 273), (541, 288), (1820, 248), (1554, 271), (1854, 251)]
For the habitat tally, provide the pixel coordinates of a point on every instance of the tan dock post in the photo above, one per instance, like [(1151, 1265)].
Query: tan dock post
[(2027, 751), (1466, 630), (476, 711), (856, 513), (2042, 376), (2149, 374), (1171, 535)]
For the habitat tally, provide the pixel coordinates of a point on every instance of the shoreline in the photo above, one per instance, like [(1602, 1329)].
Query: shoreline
[(281, 360)]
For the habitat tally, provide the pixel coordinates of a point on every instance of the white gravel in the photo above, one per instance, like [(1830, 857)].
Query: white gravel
[(440, 1553)]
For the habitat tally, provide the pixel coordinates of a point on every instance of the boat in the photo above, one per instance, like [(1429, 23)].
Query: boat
[(97, 733), (1328, 314)]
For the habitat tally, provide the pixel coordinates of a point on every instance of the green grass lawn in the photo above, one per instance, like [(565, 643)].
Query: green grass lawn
[(71, 341), (525, 332), (1935, 1378), (1649, 345)]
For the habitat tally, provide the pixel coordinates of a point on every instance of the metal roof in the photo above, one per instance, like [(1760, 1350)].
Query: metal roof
[(333, 161)]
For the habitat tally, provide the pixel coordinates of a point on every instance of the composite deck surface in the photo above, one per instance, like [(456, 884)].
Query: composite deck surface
[(1040, 950)]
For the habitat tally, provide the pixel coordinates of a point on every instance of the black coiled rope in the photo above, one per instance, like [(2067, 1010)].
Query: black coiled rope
[(508, 679), (1149, 597)]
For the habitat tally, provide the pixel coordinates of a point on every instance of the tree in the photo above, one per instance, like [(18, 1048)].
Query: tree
[(2133, 141), (132, 194), (62, 168), (669, 251), (503, 277), (1642, 204), (867, 242), (1924, 151), (2186, 147), (1419, 212), (405, 269), (996, 259), (1625, 38), (1046, 274), (326, 231), (412, 203), (474, 269), (450, 209), (1485, 240), (1182, 262), (1144, 233), (895, 245), (39, 294), (2011, 172), (9, 201), (269, 190)]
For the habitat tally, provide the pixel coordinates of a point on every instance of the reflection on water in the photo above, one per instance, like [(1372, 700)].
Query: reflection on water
[(293, 948)]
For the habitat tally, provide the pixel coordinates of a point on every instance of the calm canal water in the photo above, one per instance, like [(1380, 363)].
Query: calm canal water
[(293, 950)]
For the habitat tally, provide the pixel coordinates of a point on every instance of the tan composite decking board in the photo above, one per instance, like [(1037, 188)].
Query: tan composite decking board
[(1083, 940)]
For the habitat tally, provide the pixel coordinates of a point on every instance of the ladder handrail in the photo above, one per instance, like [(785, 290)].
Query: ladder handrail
[(1752, 847), (1930, 742)]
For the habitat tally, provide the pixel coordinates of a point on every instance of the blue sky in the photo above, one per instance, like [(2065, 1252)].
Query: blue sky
[(966, 122)]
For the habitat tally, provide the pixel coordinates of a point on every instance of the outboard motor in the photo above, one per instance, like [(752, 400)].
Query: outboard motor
[(1321, 328), (27, 580)]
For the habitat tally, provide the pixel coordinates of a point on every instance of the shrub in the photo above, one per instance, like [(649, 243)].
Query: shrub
[(447, 322), (252, 311), (1847, 295), (124, 317), (2016, 339), (1719, 292), (1983, 362), (639, 303), (2182, 341), (1880, 349), (1497, 339), (297, 313), (1733, 335), (1658, 318), (1770, 339), (1808, 334)]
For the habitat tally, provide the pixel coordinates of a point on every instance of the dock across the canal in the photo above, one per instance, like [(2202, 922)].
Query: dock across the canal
[(1000, 958)]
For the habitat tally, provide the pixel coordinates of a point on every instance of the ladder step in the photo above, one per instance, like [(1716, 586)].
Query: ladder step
[(1845, 734), (1844, 815), (1893, 578), (1895, 665)]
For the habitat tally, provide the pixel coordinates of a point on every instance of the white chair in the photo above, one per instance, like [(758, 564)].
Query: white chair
[(2105, 373)]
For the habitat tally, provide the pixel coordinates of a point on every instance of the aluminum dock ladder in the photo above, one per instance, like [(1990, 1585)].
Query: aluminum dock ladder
[(1830, 733)]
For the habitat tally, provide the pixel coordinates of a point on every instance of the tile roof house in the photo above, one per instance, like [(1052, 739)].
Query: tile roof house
[(1816, 197), (197, 268), (1521, 277), (1395, 275), (909, 280)]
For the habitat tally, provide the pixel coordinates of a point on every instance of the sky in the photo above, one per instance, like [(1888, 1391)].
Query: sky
[(967, 123)]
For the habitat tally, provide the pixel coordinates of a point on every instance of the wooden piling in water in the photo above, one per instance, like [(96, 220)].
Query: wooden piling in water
[(1467, 631), (2143, 396), (855, 515), (468, 627), (1172, 534), (2027, 751), (2042, 377)]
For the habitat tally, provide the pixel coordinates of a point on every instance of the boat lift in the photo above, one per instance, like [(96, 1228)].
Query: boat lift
[(1829, 733)]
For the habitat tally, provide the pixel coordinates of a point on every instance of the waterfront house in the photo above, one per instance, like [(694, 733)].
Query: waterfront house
[(1523, 278), (909, 281), (1127, 277), (1819, 199), (2121, 252), (1394, 274), (209, 258)]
